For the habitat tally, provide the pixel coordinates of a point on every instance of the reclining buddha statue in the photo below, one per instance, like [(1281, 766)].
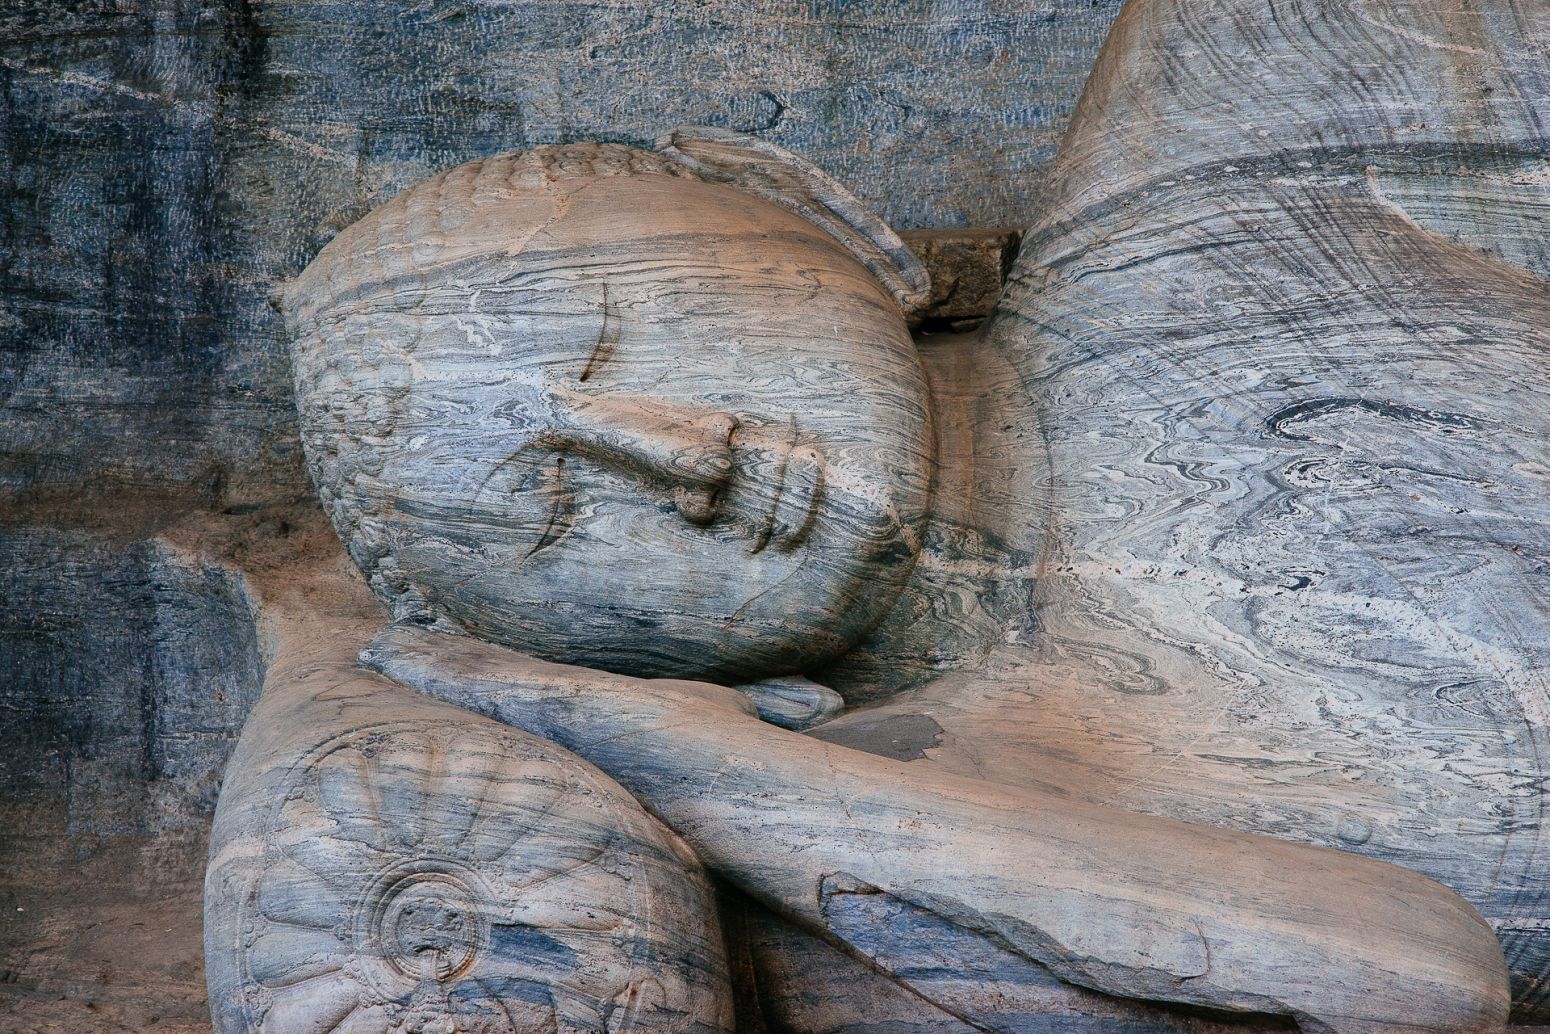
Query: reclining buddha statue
[(1169, 655)]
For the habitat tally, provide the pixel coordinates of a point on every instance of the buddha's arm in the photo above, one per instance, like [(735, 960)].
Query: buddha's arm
[(1123, 903)]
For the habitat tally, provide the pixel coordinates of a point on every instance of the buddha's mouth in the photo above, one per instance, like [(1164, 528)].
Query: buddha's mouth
[(794, 503)]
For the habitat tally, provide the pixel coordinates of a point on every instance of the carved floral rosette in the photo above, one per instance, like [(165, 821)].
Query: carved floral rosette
[(437, 877)]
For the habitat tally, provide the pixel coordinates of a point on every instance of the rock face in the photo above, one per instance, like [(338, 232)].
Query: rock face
[(129, 669), (968, 269), (1238, 520)]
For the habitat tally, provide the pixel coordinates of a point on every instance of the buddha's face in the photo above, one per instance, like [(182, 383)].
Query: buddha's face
[(679, 432)]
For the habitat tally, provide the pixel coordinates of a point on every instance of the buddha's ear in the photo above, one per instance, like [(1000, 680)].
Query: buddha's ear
[(775, 174)]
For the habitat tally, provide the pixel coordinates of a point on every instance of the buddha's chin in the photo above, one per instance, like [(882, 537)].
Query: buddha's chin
[(656, 598), (785, 627)]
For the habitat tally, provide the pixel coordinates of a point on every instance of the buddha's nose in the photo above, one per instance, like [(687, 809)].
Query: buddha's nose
[(688, 454)]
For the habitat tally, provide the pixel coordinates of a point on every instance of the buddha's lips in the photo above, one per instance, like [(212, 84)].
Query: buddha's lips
[(801, 498), (762, 539)]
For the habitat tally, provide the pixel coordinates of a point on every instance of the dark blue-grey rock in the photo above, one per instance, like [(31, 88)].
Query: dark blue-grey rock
[(166, 163), (129, 669)]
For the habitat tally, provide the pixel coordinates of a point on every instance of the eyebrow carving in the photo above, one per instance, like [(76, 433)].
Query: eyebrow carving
[(607, 338)]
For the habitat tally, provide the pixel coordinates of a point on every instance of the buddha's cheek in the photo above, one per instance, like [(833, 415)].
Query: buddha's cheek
[(634, 588)]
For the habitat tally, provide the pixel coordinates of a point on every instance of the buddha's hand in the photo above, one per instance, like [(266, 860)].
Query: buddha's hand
[(793, 702)]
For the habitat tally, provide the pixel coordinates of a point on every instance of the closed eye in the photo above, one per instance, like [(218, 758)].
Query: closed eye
[(607, 338), (562, 510)]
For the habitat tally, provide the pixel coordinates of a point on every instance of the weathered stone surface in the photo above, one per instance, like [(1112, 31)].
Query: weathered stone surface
[(968, 269), (422, 871), (1285, 442), (1236, 515), (128, 663), (774, 174), (796, 982), (805, 984), (166, 163), (1112, 901), (992, 429), (107, 940), (384, 862), (128, 671), (133, 356), (583, 401)]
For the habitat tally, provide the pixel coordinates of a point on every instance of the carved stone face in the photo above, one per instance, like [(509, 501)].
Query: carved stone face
[(615, 416)]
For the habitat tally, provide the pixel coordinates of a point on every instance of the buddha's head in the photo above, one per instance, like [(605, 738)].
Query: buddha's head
[(588, 404)]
